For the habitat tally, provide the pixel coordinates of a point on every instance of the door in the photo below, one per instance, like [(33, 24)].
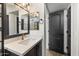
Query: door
[(56, 33), (69, 31)]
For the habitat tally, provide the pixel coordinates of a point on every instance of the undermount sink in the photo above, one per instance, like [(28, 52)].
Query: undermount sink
[(25, 42)]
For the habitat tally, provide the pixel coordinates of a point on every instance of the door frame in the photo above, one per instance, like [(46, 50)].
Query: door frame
[(66, 28), (67, 32)]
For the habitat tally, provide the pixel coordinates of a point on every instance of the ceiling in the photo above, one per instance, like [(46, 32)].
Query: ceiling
[(52, 7)]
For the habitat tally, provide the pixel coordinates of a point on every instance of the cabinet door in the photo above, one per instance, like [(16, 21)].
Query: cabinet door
[(39, 49), (32, 52), (35, 51), (8, 53)]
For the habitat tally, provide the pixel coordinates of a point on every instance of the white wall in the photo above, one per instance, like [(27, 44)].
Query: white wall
[(77, 42), (12, 24), (47, 26), (47, 35), (10, 8), (75, 29), (65, 29), (40, 8)]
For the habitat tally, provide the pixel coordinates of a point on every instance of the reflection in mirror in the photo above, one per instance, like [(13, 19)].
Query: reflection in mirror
[(12, 16), (23, 21), (34, 23), (17, 19)]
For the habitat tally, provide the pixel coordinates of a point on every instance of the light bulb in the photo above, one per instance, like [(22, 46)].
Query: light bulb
[(23, 4)]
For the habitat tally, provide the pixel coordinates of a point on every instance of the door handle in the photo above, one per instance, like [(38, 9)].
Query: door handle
[(67, 31), (48, 30)]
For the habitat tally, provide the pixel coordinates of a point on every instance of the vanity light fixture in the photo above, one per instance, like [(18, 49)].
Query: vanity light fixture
[(25, 6), (37, 14), (28, 6)]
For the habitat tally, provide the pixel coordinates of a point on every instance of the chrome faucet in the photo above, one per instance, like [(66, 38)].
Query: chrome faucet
[(22, 36)]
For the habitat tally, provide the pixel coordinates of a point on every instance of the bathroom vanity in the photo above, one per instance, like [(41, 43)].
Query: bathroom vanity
[(28, 47), (24, 50)]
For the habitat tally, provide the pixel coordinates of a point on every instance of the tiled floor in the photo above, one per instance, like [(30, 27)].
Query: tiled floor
[(53, 53)]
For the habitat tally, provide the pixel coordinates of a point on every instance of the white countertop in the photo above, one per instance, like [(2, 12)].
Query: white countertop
[(21, 47)]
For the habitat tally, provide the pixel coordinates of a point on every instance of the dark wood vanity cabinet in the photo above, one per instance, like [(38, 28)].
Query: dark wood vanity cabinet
[(8, 53), (35, 51)]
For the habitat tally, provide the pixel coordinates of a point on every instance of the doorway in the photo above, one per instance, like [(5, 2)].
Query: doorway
[(56, 43), (56, 31)]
